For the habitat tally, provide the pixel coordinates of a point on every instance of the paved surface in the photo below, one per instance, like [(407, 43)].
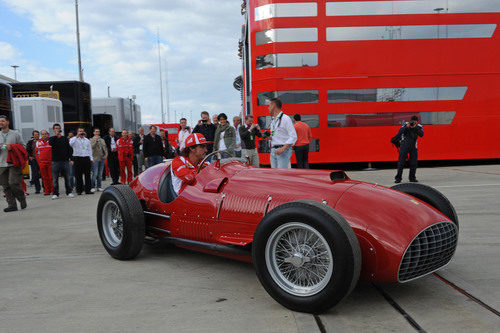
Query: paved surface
[(55, 276)]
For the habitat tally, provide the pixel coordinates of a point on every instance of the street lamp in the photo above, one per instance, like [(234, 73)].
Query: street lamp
[(15, 71)]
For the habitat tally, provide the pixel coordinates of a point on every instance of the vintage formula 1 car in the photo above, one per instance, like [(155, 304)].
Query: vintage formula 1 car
[(311, 234)]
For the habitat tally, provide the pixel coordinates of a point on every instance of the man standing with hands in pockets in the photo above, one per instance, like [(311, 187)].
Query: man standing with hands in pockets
[(283, 136)]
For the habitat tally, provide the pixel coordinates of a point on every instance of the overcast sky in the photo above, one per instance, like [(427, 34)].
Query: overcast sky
[(118, 40)]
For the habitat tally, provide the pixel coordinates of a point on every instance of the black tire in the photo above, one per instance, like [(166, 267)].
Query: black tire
[(340, 239), (431, 196), (129, 245)]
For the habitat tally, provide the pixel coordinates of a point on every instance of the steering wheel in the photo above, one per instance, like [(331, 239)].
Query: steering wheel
[(201, 165)]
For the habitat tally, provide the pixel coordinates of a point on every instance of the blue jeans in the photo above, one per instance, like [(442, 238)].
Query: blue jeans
[(281, 161), (97, 168), (61, 168), (154, 160)]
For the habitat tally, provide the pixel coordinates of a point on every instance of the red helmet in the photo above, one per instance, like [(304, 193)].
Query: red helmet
[(195, 139)]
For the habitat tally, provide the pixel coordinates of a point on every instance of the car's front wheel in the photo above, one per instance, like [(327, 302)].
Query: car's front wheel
[(120, 221), (306, 256)]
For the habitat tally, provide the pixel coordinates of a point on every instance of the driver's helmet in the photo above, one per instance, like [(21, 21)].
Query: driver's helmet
[(195, 139)]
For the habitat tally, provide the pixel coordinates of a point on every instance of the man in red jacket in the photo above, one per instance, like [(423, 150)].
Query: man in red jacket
[(125, 149), (184, 167), (44, 158)]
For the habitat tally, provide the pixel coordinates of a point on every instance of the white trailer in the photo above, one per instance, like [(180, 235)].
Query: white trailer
[(125, 113), (36, 113)]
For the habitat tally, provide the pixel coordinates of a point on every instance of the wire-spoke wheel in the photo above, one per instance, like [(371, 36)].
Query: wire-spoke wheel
[(112, 223), (306, 256), (120, 221), (299, 259)]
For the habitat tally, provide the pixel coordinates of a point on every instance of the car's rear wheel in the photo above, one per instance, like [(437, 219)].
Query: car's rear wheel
[(306, 256), (430, 196), (120, 221)]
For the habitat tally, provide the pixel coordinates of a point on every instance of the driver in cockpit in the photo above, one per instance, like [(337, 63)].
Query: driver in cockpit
[(184, 167)]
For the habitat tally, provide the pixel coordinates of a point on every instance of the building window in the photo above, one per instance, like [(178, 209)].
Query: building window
[(410, 32), (58, 114), (312, 120), (353, 8), (289, 97), (51, 115), (26, 114), (301, 9), (396, 94), (27, 134), (286, 35), (390, 119), (287, 60)]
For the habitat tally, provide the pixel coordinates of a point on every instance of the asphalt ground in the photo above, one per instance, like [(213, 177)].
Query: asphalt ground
[(55, 276)]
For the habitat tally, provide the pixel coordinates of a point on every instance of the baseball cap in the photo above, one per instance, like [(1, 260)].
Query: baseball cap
[(196, 139)]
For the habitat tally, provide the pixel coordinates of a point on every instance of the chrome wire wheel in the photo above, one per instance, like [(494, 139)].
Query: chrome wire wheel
[(299, 259), (112, 223)]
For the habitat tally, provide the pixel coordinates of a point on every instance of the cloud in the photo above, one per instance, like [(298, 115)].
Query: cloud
[(198, 38), (8, 52)]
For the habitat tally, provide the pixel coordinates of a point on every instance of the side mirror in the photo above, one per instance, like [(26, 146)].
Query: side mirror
[(216, 185)]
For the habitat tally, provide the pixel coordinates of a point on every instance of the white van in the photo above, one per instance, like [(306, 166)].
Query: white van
[(38, 113)]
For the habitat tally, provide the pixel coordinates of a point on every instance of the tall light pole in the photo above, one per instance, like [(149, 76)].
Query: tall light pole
[(167, 90), (80, 72), (161, 79), (15, 71)]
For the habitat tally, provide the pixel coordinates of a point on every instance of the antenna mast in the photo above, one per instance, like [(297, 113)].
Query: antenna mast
[(161, 79)]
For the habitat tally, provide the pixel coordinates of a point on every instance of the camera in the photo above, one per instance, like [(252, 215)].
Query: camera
[(204, 121)]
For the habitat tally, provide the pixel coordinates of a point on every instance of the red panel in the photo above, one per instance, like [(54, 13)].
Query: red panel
[(470, 62)]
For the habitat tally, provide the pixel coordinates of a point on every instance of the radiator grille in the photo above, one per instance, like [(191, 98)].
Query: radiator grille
[(430, 250)]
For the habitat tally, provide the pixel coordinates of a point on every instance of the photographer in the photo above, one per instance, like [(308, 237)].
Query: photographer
[(82, 158), (206, 128), (248, 132), (409, 134)]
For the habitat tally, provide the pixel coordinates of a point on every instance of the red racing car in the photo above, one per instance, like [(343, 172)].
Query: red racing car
[(311, 234)]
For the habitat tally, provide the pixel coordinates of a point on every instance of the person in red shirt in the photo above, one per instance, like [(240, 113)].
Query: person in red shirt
[(43, 152), (125, 149), (304, 137), (183, 168)]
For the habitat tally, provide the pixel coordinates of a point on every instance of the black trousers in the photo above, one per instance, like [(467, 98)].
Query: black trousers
[(114, 166), (413, 158), (35, 174), (302, 156), (82, 169)]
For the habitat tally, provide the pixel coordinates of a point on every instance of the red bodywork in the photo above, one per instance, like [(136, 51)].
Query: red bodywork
[(374, 64), (230, 198)]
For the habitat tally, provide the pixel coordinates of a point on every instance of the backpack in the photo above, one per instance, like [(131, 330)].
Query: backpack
[(396, 141)]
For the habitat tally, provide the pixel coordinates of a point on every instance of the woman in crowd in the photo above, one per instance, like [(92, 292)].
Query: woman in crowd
[(225, 135)]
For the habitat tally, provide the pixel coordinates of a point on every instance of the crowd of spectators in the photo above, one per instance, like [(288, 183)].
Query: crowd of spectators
[(84, 162)]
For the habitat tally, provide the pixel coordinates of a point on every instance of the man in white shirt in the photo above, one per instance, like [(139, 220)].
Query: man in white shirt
[(82, 158), (283, 136), (184, 132), (237, 124)]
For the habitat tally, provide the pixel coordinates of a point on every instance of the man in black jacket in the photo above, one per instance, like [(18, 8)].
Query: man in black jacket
[(152, 147), (61, 154), (248, 132), (207, 129), (35, 168), (409, 134), (113, 164)]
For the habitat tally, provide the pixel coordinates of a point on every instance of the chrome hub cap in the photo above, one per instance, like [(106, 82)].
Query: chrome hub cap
[(299, 259), (112, 223)]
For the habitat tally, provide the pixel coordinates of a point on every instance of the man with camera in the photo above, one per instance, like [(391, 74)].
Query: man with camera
[(207, 129), (248, 133), (82, 158), (408, 135)]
